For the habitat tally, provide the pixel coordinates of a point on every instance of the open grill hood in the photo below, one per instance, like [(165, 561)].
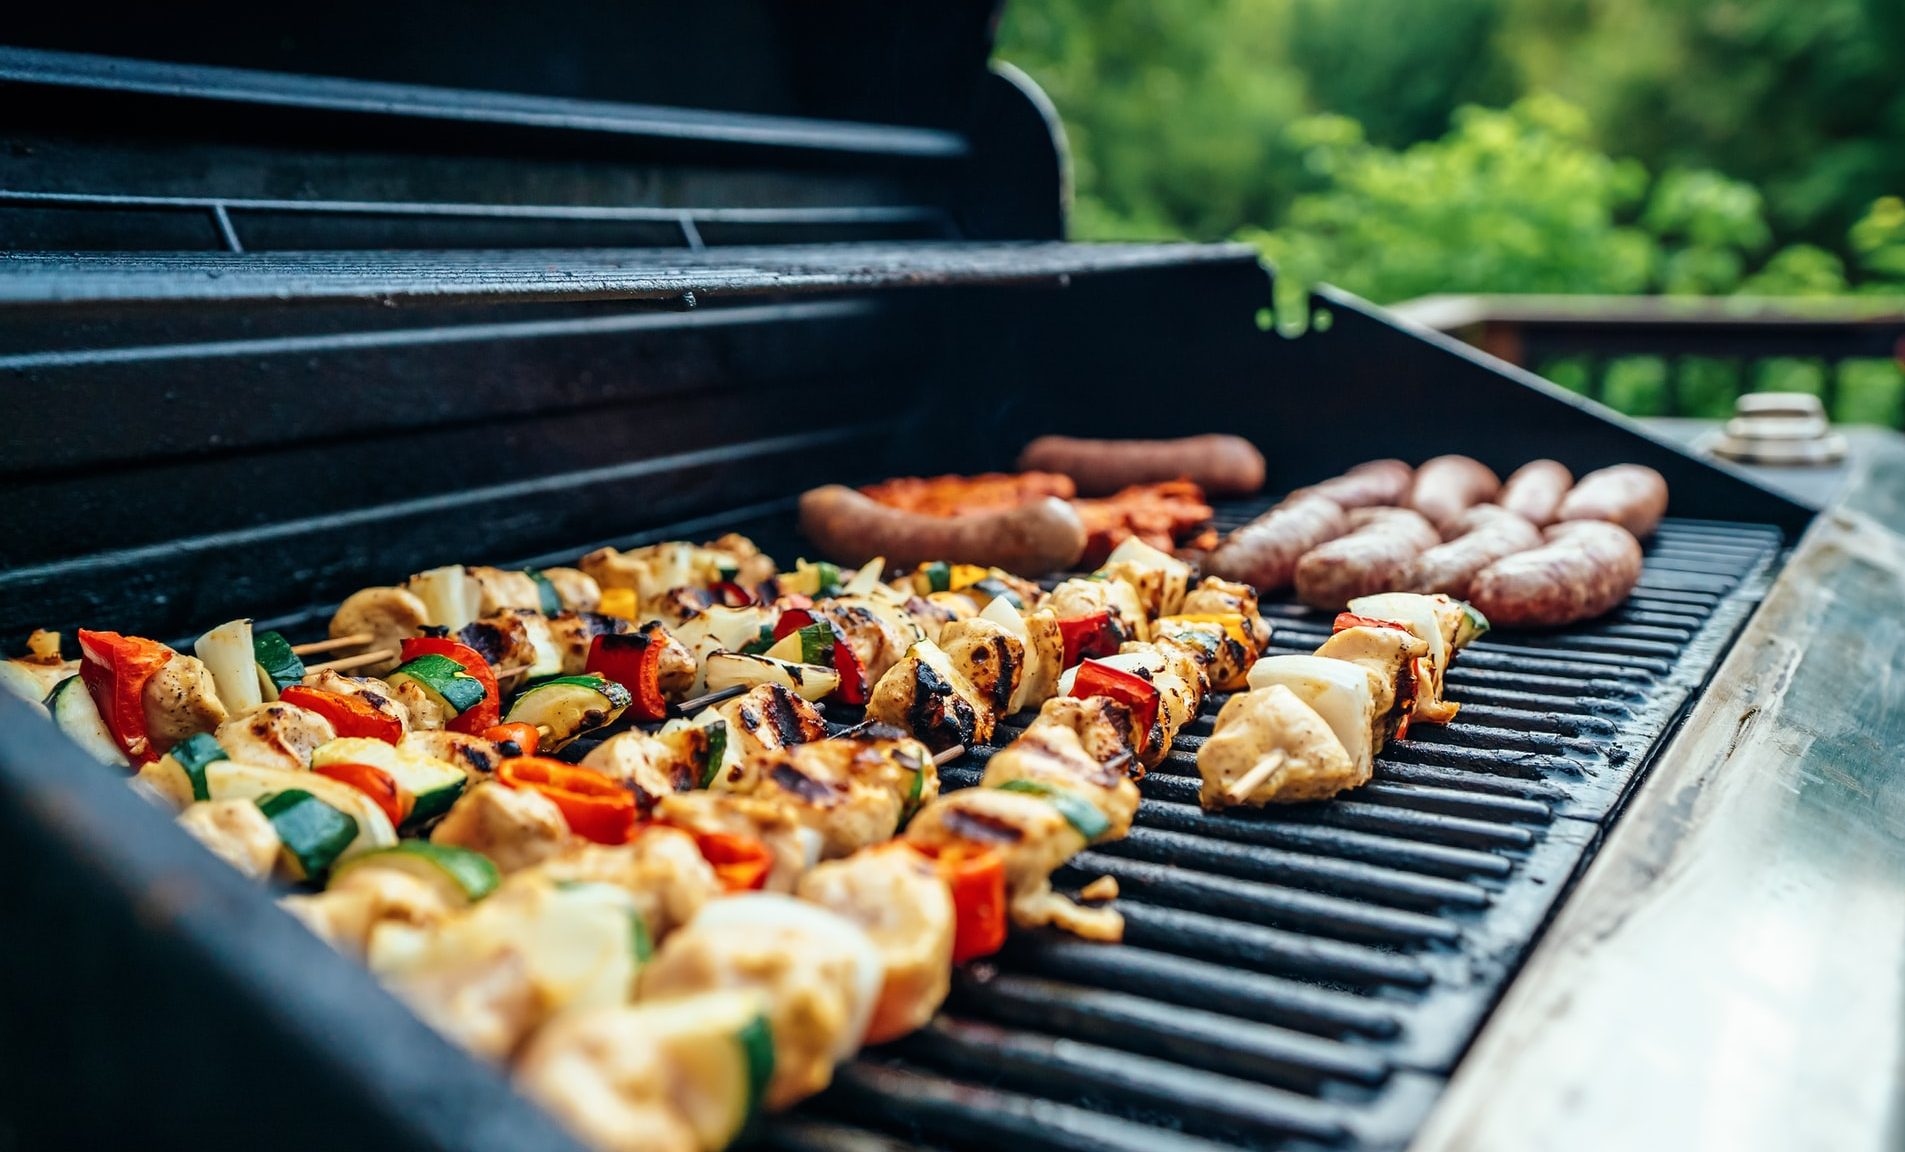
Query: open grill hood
[(289, 311)]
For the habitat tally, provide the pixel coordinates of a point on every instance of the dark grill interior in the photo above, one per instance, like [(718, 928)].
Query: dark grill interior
[(1308, 975)]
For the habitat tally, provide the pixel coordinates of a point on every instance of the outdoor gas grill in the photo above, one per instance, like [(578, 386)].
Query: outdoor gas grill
[(293, 307)]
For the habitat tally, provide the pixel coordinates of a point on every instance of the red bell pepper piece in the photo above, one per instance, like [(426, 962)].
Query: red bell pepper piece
[(976, 879), (596, 807), (487, 712), (731, 595), (349, 715), (115, 669), (523, 737), (853, 674), (379, 785), (1096, 678), (1351, 620), (633, 660), (793, 620), (1088, 636), (740, 862)]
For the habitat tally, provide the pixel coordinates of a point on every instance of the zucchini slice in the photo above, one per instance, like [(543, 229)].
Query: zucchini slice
[(463, 876), (312, 833), (548, 602), (436, 784), (228, 653), (278, 666), (75, 714), (443, 680), (1079, 812), (567, 706), (723, 1046), (810, 645), (179, 775), (228, 780), (808, 681)]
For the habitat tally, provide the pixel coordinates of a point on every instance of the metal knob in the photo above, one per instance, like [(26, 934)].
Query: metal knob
[(1779, 428)]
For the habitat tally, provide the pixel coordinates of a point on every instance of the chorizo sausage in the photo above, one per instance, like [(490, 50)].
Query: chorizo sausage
[(1370, 559), (1264, 552), (1221, 465), (1631, 495), (1033, 539), (1488, 534), (1584, 570), (1448, 486), (1535, 491), (1379, 482)]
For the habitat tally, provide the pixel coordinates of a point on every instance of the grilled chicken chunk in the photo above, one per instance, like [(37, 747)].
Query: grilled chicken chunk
[(932, 615), (1387, 654), (425, 714), (990, 657), (515, 828), (40, 671), (652, 766), (501, 589), (897, 897), (1104, 726), (275, 735), (819, 972), (344, 914), (1050, 755), (1084, 597), (577, 590), (766, 717), (237, 831), (795, 847), (387, 615), (1159, 579), (505, 640), (610, 1080), (853, 791), (1032, 837), (1215, 596), (476, 756), (926, 695), (1268, 747), (878, 634), (181, 699), (1044, 659), (661, 869)]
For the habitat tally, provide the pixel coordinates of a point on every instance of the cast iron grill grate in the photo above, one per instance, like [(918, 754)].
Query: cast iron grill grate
[(1308, 976)]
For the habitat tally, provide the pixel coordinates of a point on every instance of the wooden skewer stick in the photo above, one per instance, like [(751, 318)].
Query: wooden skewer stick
[(333, 644), (513, 670), (697, 703), (348, 662), (949, 755), (1247, 783)]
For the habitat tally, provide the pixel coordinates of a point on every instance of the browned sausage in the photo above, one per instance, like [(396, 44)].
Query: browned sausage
[(1631, 495), (1448, 486), (1264, 552), (1220, 465), (1535, 491), (1370, 559), (1366, 485), (1488, 534), (1584, 570), (1032, 539)]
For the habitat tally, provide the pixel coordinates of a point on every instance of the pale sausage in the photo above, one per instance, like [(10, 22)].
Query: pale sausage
[(1448, 486), (1379, 482), (1370, 559), (1031, 540), (1535, 491), (1488, 534), (1584, 570), (1631, 495), (1264, 552), (1219, 464)]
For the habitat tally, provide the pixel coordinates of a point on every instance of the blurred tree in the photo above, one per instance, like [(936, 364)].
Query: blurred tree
[(1401, 67), (1801, 98)]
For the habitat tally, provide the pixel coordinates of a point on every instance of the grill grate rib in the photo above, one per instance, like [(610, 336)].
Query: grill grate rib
[(1307, 976)]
